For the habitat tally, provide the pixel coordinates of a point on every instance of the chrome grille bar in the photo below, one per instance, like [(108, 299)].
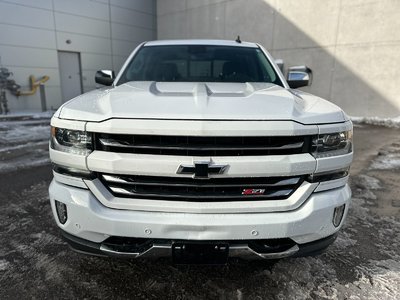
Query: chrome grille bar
[(124, 144), (203, 145), (132, 181), (197, 190), (133, 193)]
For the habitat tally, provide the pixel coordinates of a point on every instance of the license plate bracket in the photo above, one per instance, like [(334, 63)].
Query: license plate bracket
[(200, 253)]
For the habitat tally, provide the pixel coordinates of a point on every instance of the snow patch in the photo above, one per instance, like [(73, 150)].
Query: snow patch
[(4, 264), (369, 182), (386, 162), (388, 158), (7, 167), (303, 278), (22, 146), (28, 114), (364, 187), (23, 134), (380, 279), (386, 122), (344, 241)]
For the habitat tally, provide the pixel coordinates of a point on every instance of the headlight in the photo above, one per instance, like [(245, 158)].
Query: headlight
[(332, 144), (72, 141)]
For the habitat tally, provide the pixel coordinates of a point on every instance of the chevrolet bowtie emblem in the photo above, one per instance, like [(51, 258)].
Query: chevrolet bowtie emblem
[(201, 169)]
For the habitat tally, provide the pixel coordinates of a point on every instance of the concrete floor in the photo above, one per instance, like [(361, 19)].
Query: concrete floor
[(364, 263)]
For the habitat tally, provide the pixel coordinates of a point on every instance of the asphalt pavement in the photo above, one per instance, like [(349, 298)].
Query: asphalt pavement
[(35, 263)]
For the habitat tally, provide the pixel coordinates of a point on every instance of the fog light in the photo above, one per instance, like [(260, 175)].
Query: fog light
[(61, 209), (338, 215)]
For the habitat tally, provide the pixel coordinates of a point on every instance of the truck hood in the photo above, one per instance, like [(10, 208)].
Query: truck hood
[(201, 101)]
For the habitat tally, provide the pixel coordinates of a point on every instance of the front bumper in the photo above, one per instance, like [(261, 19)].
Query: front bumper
[(90, 221), (163, 248)]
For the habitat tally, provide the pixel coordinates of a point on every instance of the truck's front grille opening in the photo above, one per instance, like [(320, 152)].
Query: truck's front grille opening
[(200, 190), (203, 146)]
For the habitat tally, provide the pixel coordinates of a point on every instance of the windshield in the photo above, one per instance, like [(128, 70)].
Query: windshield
[(200, 63)]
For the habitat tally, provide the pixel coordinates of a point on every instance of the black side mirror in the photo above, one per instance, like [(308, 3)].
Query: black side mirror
[(299, 76), (105, 77)]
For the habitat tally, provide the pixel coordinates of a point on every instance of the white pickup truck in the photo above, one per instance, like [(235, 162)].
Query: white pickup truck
[(200, 150)]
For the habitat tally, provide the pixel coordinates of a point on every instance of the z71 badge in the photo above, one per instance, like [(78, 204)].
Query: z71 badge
[(253, 192)]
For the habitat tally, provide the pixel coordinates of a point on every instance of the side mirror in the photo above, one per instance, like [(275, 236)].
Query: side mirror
[(105, 77), (299, 76)]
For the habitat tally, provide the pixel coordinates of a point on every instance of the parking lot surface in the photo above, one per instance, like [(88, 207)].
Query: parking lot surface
[(364, 262)]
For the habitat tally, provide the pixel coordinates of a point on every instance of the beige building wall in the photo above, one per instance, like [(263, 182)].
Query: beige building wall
[(352, 46), (104, 32)]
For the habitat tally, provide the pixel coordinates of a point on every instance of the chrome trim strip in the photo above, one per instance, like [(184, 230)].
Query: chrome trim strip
[(118, 179), (115, 143), (118, 253), (159, 250), (240, 250), (121, 202), (155, 250), (124, 191)]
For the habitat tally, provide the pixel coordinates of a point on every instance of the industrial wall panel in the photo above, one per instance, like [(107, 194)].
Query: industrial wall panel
[(382, 16), (173, 26), (24, 36), (84, 8), (212, 21), (82, 25), (103, 1), (82, 43), (367, 89), (147, 6), (26, 16), (45, 4), (131, 17), (88, 78), (123, 48), (196, 3), (96, 62), (258, 28), (170, 6), (293, 30), (118, 61), (29, 103), (53, 97), (129, 33), (28, 57), (88, 88)]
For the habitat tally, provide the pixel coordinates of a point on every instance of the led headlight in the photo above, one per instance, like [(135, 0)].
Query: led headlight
[(72, 141), (332, 144)]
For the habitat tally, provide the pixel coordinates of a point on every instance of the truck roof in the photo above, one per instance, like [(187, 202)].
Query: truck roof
[(201, 42)]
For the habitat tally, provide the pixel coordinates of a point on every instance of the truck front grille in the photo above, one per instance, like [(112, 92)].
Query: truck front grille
[(203, 146), (201, 190)]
